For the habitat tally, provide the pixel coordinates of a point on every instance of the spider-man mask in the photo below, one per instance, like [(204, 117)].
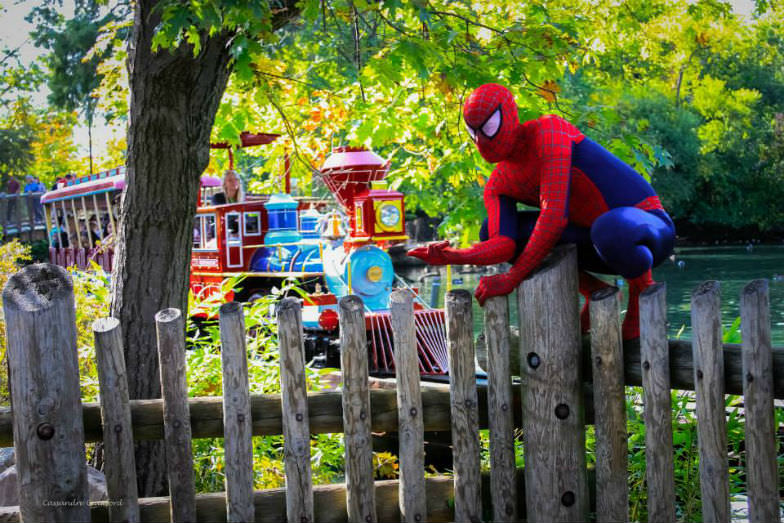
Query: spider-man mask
[(490, 114)]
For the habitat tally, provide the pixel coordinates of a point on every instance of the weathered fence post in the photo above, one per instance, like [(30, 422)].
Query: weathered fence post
[(296, 423), (119, 461), (237, 423), (503, 483), (412, 501), (612, 499), (757, 361), (170, 326), (40, 320), (464, 406), (556, 486), (709, 387), (360, 490), (657, 412)]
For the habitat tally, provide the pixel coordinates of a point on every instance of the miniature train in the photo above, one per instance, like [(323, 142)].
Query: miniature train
[(330, 252)]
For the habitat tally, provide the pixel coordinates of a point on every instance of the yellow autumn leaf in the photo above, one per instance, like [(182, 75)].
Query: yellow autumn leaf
[(549, 91), (442, 84)]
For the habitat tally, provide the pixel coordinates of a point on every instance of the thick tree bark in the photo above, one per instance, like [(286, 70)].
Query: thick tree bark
[(174, 98)]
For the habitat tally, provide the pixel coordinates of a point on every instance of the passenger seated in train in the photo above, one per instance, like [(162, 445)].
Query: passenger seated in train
[(58, 235), (232, 189), (95, 230), (106, 242), (84, 234), (108, 231)]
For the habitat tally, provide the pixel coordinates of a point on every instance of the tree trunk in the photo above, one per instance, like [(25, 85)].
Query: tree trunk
[(174, 98)]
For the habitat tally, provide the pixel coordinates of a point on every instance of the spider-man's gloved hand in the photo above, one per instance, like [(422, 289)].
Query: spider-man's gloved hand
[(498, 285), (432, 254)]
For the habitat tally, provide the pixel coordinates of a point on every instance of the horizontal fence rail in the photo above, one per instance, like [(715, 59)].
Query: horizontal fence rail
[(326, 414), (329, 503), (553, 404)]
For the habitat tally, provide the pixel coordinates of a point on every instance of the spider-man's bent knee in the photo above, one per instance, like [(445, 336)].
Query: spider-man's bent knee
[(625, 240), (631, 241)]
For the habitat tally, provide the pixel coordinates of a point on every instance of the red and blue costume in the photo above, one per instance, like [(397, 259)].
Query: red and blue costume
[(586, 196)]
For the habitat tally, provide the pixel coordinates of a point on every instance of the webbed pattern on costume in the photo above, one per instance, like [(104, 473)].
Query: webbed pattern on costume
[(495, 250), (582, 190), (576, 181), (548, 168), (590, 204), (478, 109)]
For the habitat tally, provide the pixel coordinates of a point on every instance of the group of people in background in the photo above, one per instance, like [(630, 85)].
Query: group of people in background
[(32, 185), (95, 232)]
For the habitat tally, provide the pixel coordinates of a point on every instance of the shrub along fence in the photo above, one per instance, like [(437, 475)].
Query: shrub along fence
[(50, 425)]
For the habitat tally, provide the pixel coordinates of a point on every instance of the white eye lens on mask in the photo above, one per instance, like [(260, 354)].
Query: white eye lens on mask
[(471, 132), (493, 124)]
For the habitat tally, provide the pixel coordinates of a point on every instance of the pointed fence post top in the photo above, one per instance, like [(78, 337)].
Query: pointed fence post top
[(401, 297), (604, 293), (103, 325), (36, 287), (457, 298), (755, 287), (350, 303), (168, 315), (288, 304), (706, 288), (230, 308), (553, 260), (653, 291)]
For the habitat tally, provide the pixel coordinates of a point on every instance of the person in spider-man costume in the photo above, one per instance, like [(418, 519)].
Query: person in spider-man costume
[(586, 196)]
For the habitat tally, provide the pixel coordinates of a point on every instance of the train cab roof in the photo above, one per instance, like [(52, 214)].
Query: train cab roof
[(105, 181)]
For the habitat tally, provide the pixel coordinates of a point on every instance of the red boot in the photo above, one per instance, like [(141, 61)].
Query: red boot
[(588, 285), (631, 323)]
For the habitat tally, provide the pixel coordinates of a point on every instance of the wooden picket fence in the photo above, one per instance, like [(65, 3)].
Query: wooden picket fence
[(51, 426)]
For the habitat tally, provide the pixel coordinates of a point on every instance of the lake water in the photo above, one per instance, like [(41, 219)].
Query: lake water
[(733, 267)]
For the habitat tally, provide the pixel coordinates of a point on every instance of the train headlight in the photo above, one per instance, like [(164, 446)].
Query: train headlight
[(389, 215), (374, 273)]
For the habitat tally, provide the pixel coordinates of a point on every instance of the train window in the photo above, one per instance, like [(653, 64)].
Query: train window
[(204, 233), (207, 193), (210, 241), (197, 232), (232, 227), (252, 224)]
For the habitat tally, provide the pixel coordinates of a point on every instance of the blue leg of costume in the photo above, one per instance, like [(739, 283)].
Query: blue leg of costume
[(625, 240), (631, 241)]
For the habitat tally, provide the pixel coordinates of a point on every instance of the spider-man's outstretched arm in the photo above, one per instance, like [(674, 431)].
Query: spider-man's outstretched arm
[(555, 147), (499, 248)]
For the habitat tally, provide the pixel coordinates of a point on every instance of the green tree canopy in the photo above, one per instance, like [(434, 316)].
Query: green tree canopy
[(73, 58)]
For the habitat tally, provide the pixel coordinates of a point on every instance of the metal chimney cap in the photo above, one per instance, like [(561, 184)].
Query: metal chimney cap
[(349, 157)]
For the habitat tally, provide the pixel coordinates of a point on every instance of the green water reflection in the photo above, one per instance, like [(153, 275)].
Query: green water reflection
[(734, 267)]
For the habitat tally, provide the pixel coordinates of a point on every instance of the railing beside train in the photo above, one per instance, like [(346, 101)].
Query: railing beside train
[(330, 252)]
